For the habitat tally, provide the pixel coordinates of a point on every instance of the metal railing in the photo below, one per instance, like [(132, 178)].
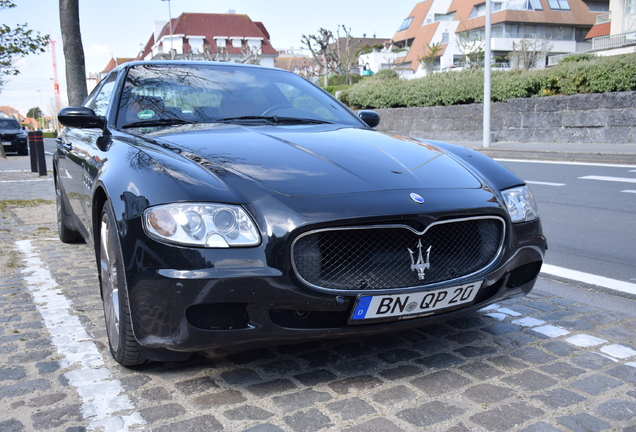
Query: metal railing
[(613, 41)]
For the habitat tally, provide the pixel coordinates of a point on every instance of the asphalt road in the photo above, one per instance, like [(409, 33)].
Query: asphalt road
[(588, 213)]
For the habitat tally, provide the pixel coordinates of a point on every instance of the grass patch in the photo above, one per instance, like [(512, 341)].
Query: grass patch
[(5, 204)]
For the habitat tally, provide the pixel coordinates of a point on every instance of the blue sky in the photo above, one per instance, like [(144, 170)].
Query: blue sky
[(116, 28)]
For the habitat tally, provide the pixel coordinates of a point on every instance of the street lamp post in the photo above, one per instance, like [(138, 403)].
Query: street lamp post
[(170, 24)]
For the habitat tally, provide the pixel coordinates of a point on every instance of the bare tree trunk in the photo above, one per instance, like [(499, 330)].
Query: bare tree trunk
[(73, 52)]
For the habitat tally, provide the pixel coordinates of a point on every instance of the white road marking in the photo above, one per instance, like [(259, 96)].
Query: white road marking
[(619, 351), (544, 183), (101, 394), (585, 340), (566, 163), (528, 322), (629, 191), (611, 179), (551, 330), (13, 171), (578, 276)]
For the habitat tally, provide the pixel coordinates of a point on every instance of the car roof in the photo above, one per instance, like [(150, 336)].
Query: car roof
[(192, 63)]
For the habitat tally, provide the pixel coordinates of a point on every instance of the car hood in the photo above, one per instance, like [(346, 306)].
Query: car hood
[(313, 160)]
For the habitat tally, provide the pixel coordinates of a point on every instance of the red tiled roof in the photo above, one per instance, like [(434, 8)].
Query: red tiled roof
[(211, 25), (599, 30)]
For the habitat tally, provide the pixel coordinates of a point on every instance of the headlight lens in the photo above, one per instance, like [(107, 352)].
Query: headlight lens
[(521, 204), (201, 224)]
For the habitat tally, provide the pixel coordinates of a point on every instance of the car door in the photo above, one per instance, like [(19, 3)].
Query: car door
[(77, 150)]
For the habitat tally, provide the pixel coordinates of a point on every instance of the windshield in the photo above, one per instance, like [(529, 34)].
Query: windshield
[(224, 93), (9, 124)]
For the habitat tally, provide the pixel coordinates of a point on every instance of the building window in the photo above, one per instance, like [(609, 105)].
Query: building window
[(597, 6), (445, 17), (444, 38), (480, 9), (405, 24), (524, 5), (630, 7), (559, 4)]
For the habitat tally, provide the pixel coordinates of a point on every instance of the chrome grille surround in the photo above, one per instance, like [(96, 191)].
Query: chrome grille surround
[(358, 259)]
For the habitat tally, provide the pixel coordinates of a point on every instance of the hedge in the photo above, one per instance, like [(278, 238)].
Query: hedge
[(580, 75)]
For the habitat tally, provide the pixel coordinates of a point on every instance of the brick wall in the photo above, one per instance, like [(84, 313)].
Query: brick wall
[(583, 118)]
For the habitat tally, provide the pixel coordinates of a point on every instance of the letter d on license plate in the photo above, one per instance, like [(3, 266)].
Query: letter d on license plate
[(413, 305)]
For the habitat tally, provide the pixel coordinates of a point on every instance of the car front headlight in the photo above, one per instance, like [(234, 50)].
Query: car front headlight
[(521, 204), (21, 135), (201, 224)]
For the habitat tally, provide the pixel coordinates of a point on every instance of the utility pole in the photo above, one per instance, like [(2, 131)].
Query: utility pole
[(487, 60), (56, 84)]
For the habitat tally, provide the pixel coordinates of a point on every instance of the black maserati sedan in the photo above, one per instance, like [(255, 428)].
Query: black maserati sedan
[(234, 206)]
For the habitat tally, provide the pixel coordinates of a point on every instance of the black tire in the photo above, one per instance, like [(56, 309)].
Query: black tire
[(66, 234), (123, 345)]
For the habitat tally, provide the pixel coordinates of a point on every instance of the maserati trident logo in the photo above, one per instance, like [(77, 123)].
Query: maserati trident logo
[(421, 266)]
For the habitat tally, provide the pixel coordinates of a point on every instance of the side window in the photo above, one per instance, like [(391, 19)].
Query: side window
[(101, 100)]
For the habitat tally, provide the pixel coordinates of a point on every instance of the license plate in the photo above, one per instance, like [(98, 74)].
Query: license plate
[(6, 143), (412, 305)]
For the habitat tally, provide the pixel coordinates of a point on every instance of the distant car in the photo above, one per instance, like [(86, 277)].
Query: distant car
[(239, 206), (14, 139)]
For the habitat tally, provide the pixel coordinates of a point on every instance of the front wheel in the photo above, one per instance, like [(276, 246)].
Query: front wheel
[(123, 345)]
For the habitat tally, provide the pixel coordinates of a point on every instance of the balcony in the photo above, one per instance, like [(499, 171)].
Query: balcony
[(603, 18), (613, 41)]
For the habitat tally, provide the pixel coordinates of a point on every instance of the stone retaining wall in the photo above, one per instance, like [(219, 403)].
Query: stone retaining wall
[(583, 118)]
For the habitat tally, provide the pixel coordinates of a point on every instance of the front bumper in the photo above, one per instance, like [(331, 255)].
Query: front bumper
[(189, 299)]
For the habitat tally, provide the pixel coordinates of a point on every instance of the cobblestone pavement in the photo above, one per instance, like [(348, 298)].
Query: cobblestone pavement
[(534, 364)]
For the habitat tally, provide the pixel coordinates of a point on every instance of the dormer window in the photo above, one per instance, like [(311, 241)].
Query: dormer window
[(559, 4), (237, 41), (405, 24), (221, 41)]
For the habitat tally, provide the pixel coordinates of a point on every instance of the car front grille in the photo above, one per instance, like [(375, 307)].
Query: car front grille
[(396, 256)]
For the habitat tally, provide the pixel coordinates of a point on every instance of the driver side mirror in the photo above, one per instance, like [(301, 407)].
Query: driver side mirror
[(371, 118), (80, 117)]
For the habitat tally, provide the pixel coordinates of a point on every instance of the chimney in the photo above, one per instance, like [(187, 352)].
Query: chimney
[(231, 11)]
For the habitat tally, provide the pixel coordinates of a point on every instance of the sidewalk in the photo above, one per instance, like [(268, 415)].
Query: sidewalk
[(562, 152)]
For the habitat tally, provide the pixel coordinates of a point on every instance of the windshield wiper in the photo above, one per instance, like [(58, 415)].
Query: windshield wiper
[(271, 119), (157, 122)]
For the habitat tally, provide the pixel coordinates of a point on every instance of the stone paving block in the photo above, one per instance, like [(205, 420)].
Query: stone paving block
[(617, 409), (196, 385), (534, 355), (379, 424), (500, 328), (308, 421), (559, 348), (400, 372), (315, 377), (476, 351), (301, 399), (430, 346), (624, 373), (583, 422), (162, 412), (514, 340), (269, 388), (357, 366), (488, 393), (440, 361), (320, 358), (394, 395), (298, 348), (248, 412), (585, 340), (13, 373), (430, 413), (506, 417), (362, 382), (241, 377), (559, 398), (540, 427), (467, 337), (438, 383), (46, 400), (283, 367), (57, 417), (595, 384), (251, 356), (619, 332), (562, 370), (264, 427), (530, 380), (591, 360), (11, 426), (507, 362), (198, 424), (578, 325), (619, 351), (22, 388), (398, 355), (227, 397), (481, 371), (605, 317), (353, 350), (350, 409)]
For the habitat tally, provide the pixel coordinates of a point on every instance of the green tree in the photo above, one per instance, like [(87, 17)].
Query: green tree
[(35, 113), (428, 60), (15, 43)]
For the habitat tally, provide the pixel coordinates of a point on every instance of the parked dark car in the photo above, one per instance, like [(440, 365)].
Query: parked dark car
[(240, 206), (14, 139)]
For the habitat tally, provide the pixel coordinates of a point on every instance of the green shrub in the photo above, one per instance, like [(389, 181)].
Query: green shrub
[(49, 134), (337, 80), (583, 74)]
